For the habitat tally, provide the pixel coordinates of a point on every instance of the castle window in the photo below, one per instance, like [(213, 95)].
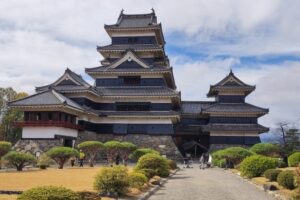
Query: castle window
[(132, 80), (138, 106)]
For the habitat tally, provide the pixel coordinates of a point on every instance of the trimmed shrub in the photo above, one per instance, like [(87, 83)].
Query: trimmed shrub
[(91, 148), (112, 180), (254, 166), (154, 162), (286, 179), (19, 160), (294, 159), (232, 154), (172, 164), (49, 193), (5, 147), (220, 163), (266, 149), (44, 161), (272, 174), (140, 152), (126, 149), (149, 173), (137, 180), (112, 149), (61, 155)]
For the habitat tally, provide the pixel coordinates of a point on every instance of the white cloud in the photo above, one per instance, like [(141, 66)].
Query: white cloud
[(39, 39)]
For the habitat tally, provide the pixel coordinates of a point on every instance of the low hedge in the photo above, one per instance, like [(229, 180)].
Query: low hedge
[(286, 179), (137, 180), (154, 162), (254, 166), (294, 159), (49, 193), (272, 174), (149, 173), (112, 180), (266, 149), (135, 155), (232, 154)]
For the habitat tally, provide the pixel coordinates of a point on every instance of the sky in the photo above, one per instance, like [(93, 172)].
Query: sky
[(258, 39)]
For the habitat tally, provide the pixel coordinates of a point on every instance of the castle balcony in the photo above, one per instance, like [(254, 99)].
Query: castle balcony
[(48, 124)]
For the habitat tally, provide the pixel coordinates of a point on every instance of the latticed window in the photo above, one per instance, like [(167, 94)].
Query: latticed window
[(132, 80), (138, 106)]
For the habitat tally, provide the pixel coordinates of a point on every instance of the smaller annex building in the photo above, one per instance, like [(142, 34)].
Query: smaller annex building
[(134, 98)]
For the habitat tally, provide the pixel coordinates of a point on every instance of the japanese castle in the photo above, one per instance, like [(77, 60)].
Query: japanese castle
[(134, 98)]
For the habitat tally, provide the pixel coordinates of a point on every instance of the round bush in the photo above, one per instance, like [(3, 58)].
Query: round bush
[(272, 174), (113, 180), (61, 155), (19, 160), (266, 149), (172, 164), (137, 180), (286, 179), (49, 193), (149, 173), (140, 152), (44, 161), (154, 162), (232, 154), (91, 148), (254, 166), (294, 159), (5, 147)]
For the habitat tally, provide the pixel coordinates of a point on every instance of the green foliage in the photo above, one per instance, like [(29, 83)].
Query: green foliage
[(49, 193), (112, 180), (292, 141), (149, 173), (125, 150), (44, 161), (154, 162), (272, 174), (286, 179), (19, 160), (219, 163), (8, 115), (266, 149), (137, 180), (232, 154), (61, 155), (91, 148), (294, 159), (112, 149), (172, 164), (140, 152), (5, 147), (254, 166)]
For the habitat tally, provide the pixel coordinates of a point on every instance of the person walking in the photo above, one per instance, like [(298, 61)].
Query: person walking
[(81, 158), (201, 166)]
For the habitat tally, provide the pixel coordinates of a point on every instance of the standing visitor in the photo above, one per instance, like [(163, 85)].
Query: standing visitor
[(81, 158), (201, 161)]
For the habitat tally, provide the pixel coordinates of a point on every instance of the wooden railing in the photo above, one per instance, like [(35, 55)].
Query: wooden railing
[(49, 123)]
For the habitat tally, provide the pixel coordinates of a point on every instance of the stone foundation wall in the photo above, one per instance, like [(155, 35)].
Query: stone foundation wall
[(215, 147), (34, 146), (162, 143)]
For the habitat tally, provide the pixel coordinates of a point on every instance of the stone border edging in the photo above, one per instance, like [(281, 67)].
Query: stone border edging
[(273, 194), (156, 187)]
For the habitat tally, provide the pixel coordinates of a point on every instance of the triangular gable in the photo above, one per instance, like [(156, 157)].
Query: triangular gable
[(231, 80), (70, 78), (129, 57)]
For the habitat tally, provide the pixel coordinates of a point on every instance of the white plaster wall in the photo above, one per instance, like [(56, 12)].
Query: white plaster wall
[(47, 132)]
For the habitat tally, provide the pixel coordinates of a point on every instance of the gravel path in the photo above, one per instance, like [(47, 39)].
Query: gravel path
[(209, 184)]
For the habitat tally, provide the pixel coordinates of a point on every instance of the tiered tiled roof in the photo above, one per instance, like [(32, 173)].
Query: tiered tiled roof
[(234, 108), (194, 107), (46, 98), (235, 127), (230, 84)]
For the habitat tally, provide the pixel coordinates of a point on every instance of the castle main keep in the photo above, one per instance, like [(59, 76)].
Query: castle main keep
[(134, 98)]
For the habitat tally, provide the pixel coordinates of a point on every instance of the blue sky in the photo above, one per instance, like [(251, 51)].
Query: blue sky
[(258, 39)]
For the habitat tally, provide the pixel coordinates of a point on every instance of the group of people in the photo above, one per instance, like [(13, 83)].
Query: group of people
[(205, 161), (80, 159)]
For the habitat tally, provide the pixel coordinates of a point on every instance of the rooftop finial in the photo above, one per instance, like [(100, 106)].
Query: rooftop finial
[(122, 11), (153, 11), (231, 73)]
